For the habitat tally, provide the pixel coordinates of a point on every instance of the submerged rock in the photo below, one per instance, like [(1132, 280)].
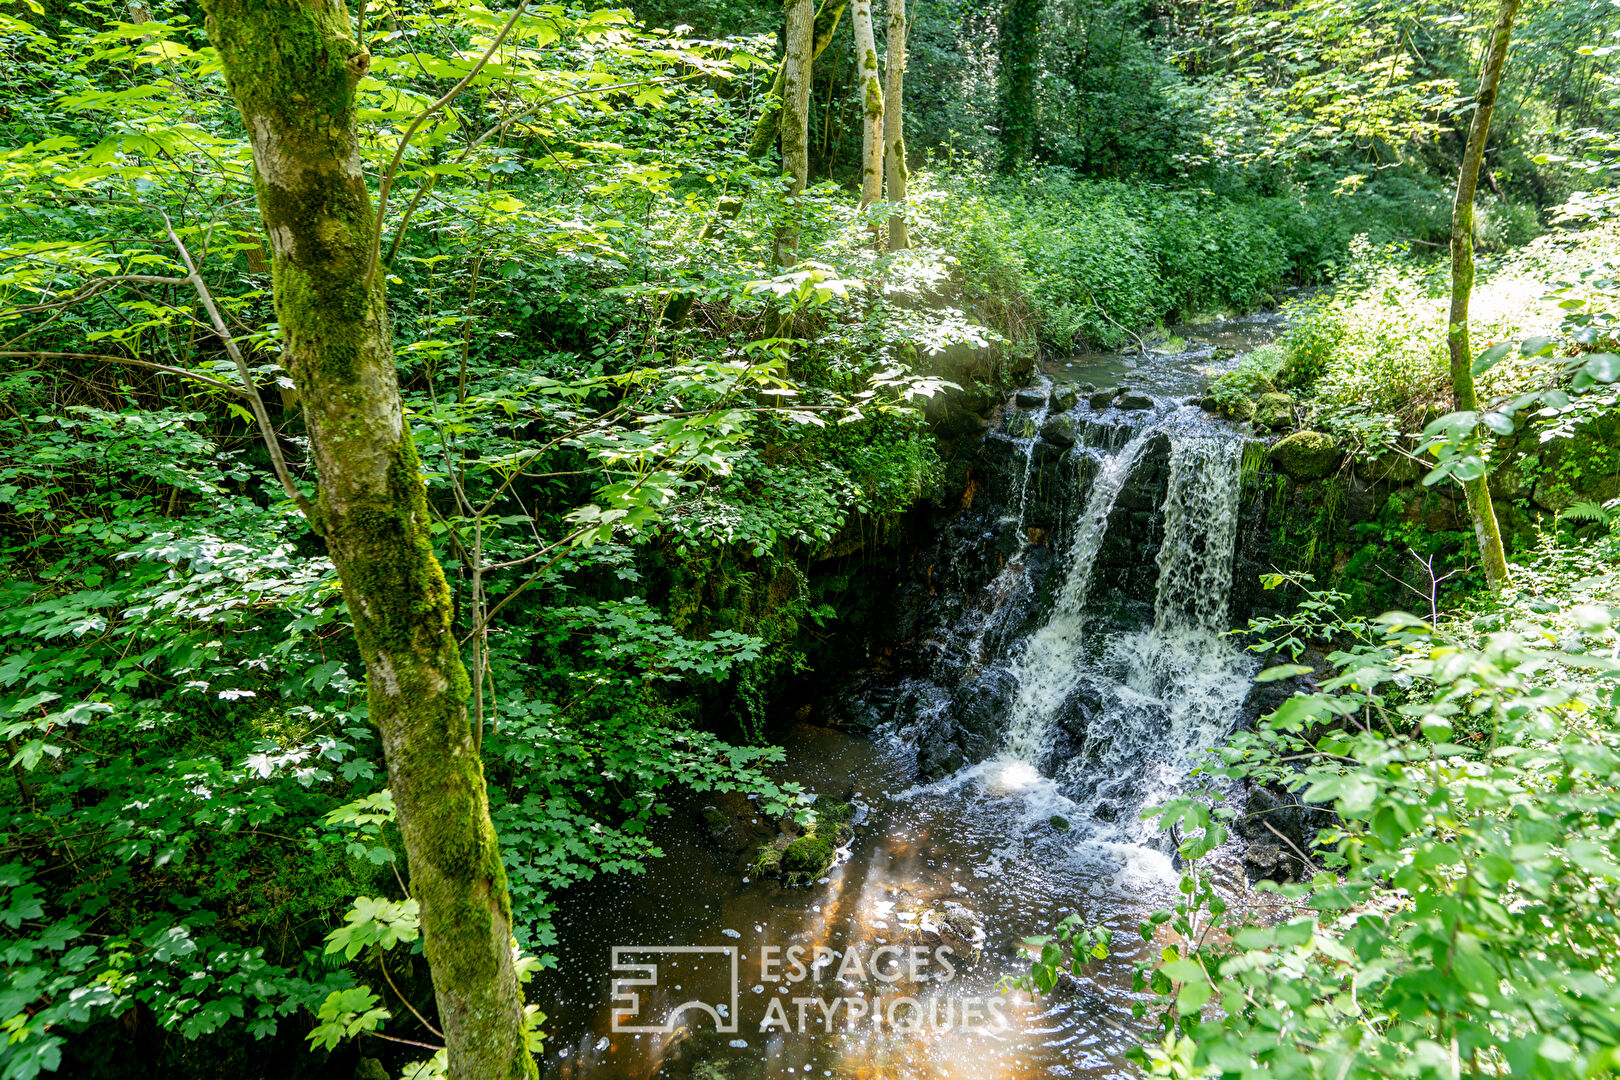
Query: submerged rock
[(1058, 822), (1306, 455)]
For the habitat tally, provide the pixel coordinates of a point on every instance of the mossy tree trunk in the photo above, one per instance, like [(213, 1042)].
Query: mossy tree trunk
[(1463, 397), (869, 85), (795, 121), (1019, 56), (292, 66), (894, 139), (769, 126)]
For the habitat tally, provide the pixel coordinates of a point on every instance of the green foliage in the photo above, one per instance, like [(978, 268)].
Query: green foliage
[(1462, 914)]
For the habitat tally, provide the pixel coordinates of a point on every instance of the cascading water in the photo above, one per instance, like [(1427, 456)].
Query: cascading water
[(1048, 667), (1117, 718), (1054, 660)]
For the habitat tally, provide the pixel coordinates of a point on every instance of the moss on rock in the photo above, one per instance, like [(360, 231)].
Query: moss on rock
[(1306, 455), (804, 860), (1274, 410)]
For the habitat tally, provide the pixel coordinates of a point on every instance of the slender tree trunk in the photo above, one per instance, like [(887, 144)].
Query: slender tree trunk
[(870, 86), (795, 121), (1463, 398), (1019, 56), (894, 139), (292, 66), (766, 131)]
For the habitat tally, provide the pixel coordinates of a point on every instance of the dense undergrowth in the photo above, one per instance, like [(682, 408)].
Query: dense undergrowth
[(594, 344)]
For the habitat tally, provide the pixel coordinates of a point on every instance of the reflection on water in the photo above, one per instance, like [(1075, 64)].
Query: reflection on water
[(979, 842), (895, 965)]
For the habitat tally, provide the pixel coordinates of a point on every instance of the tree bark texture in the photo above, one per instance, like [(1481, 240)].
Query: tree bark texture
[(1463, 397), (869, 84), (795, 121), (1018, 58), (292, 66), (894, 139), (769, 126)]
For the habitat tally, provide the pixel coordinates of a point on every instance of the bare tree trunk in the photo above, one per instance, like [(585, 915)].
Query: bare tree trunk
[(1463, 397), (769, 126), (795, 121), (894, 138), (870, 86), (292, 66)]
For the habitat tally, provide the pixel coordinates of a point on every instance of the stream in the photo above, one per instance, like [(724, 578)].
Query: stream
[(1063, 665)]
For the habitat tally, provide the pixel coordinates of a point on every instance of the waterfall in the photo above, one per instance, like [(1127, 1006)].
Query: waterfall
[(1048, 666), (1200, 534), (1120, 727)]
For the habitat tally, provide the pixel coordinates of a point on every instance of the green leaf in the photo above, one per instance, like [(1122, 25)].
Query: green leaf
[(1282, 671)]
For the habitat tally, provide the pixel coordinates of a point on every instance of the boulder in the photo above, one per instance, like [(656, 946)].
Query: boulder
[(1274, 410), (1059, 430), (1065, 398), (1269, 861), (1102, 399), (1031, 398), (1135, 401), (1306, 455), (1239, 410)]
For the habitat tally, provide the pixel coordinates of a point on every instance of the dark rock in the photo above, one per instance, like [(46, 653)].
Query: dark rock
[(1059, 430), (1272, 814), (1102, 399), (1058, 822), (1135, 401), (1065, 398), (1306, 455), (1268, 861), (1032, 398), (980, 706)]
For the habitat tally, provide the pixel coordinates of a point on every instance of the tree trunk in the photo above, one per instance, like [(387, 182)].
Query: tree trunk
[(766, 131), (795, 121), (894, 139), (870, 86), (292, 66), (1463, 398), (1019, 57)]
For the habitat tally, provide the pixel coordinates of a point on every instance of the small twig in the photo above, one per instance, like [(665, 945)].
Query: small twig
[(421, 118), (1309, 865), (165, 368), (266, 430)]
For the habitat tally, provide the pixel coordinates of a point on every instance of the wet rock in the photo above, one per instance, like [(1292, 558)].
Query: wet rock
[(1102, 399), (954, 925), (1058, 822), (731, 822), (1135, 401), (1275, 815), (1031, 398), (803, 858), (1075, 715), (1223, 352), (1306, 455), (1059, 430), (1268, 861), (1240, 410), (1066, 397), (1274, 410), (981, 706)]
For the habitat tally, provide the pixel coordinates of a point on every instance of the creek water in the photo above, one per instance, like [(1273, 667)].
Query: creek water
[(998, 772)]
